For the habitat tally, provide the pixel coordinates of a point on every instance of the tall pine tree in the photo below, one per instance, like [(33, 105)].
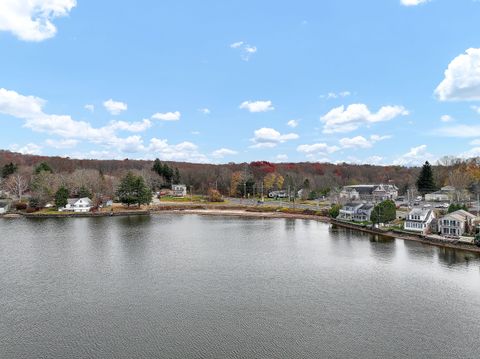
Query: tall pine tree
[(425, 181)]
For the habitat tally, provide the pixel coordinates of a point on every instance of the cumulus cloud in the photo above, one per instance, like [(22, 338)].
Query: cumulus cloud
[(446, 118), (223, 152), (167, 116), (28, 149), (462, 78), (30, 109), (416, 156), (341, 119), (335, 95), (460, 131), (361, 142), (413, 2), (205, 111), (292, 123), (31, 20), (317, 148), (281, 157), (257, 106), (61, 143), (115, 107), (269, 138), (246, 50)]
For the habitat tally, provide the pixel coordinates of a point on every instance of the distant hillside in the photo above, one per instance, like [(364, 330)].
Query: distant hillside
[(319, 176)]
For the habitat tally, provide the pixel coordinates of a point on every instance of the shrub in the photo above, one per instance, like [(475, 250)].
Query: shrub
[(334, 211), (30, 210), (214, 196), (20, 206)]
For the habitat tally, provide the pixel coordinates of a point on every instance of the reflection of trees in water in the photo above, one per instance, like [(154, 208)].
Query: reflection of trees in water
[(382, 245), (450, 256), (338, 232), (129, 221)]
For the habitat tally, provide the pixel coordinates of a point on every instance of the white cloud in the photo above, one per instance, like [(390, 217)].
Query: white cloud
[(317, 148), (461, 131), (292, 123), (31, 20), (28, 149), (89, 107), (281, 157), (167, 116), (416, 156), (335, 95), (413, 2), (374, 160), (361, 142), (115, 107), (446, 118), (476, 109), (257, 106), (184, 151), (222, 152), (205, 111), (269, 138), (60, 144), (462, 78), (246, 50), (341, 119), (473, 152), (14, 104), (130, 126)]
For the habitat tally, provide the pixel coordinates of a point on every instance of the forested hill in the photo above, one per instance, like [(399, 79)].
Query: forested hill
[(202, 176)]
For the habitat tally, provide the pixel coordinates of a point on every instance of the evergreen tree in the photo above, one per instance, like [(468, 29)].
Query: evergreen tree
[(8, 170), (164, 171), (133, 190), (61, 197), (84, 192), (425, 181), (334, 211), (176, 176), (43, 167), (384, 212)]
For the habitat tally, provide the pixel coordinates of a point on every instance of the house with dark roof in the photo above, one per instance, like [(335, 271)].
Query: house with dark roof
[(369, 192), (357, 212)]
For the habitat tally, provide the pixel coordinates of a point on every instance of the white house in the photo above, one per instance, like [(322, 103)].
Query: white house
[(444, 195), (456, 224), (369, 192), (179, 190), (419, 220), (77, 205)]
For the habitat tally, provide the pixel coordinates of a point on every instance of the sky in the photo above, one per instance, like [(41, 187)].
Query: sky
[(377, 81)]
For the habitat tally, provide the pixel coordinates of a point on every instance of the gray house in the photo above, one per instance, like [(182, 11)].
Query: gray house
[(358, 212), (456, 224)]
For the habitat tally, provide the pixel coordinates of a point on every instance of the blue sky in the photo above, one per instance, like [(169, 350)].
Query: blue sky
[(379, 81)]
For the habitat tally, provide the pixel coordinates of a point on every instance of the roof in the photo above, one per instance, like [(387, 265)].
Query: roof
[(352, 204), (370, 188), (460, 215), (420, 212), (367, 206)]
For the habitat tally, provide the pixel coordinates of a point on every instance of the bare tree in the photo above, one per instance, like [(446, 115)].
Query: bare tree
[(17, 184)]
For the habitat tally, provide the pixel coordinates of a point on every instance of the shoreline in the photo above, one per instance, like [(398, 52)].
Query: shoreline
[(243, 212)]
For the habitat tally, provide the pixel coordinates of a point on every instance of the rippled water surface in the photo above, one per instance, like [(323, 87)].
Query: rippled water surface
[(213, 287)]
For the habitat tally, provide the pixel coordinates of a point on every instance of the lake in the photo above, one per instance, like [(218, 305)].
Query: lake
[(188, 286)]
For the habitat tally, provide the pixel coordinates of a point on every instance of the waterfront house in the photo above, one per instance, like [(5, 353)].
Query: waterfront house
[(419, 220), (369, 192), (357, 212), (179, 190), (457, 223), (77, 205), (363, 213)]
